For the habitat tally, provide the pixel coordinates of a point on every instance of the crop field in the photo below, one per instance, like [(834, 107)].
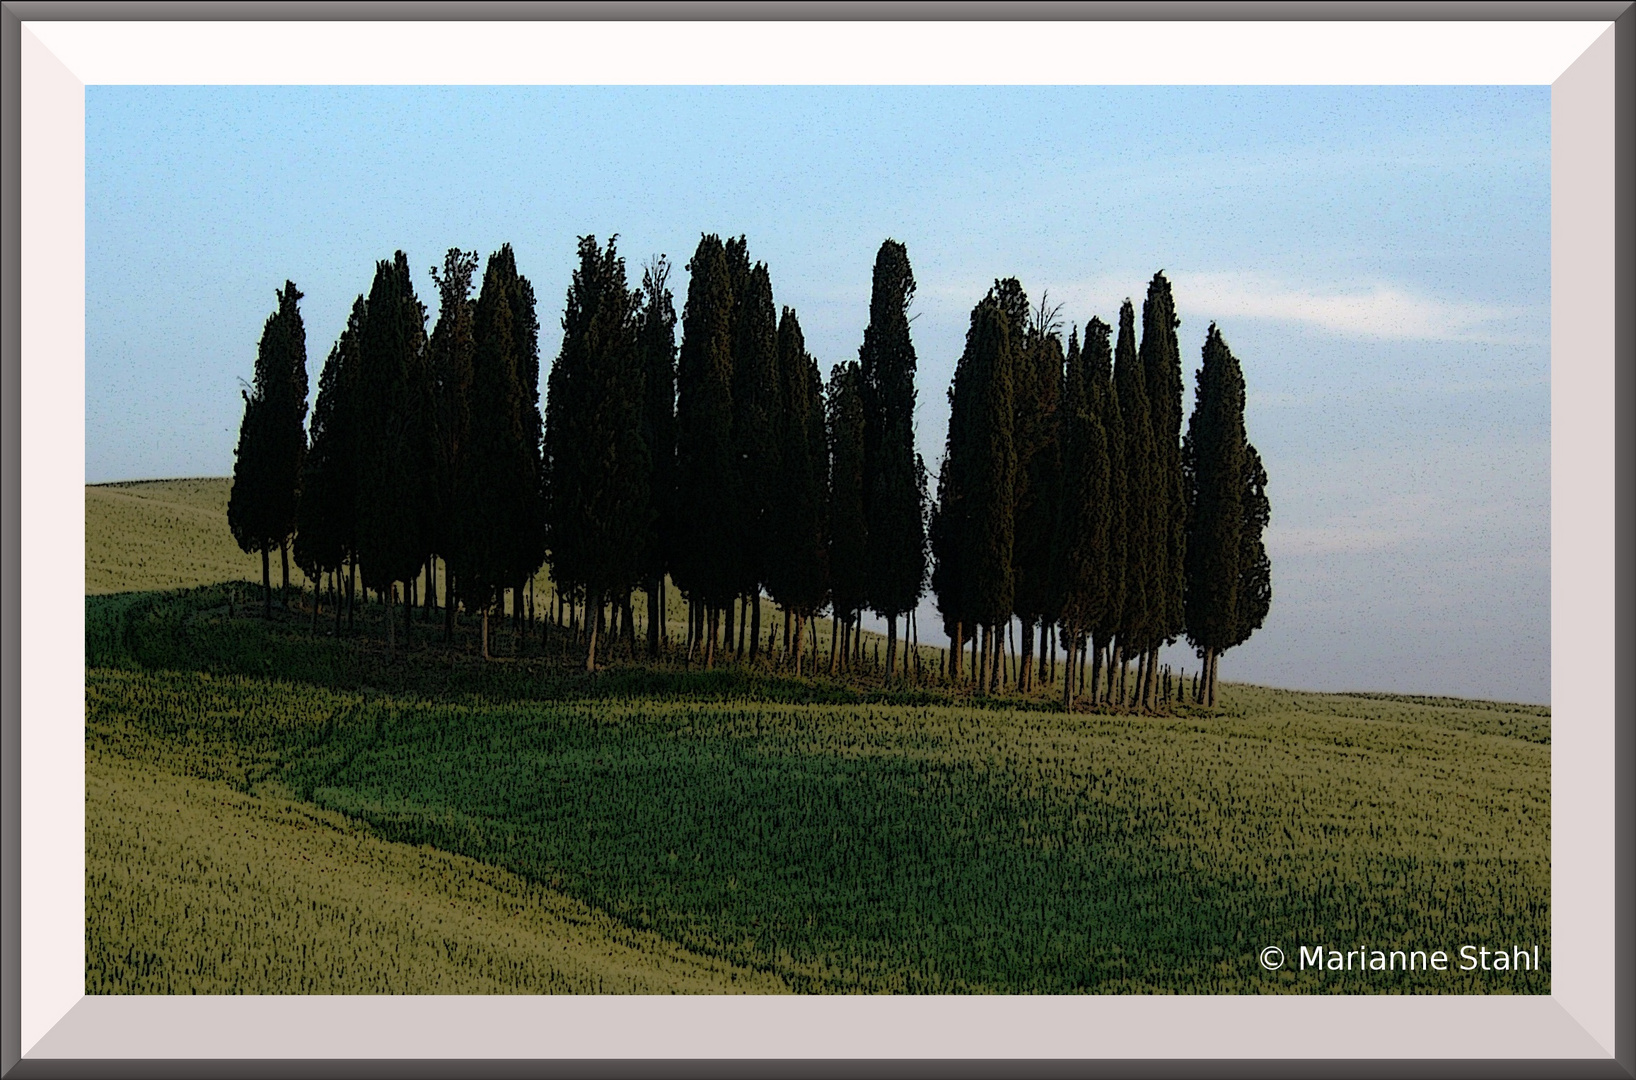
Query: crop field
[(739, 830)]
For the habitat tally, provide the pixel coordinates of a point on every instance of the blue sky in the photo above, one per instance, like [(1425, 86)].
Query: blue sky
[(1377, 257)]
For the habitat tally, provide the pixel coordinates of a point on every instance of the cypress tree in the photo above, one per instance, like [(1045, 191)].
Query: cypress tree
[(395, 435), (756, 405), (976, 514), (1039, 375), (530, 551), (261, 506), (1081, 552), (1137, 619), (1229, 588), (1162, 379), (798, 565), (1214, 459), (656, 344), (453, 346), (326, 529), (496, 508), (706, 537), (848, 527), (600, 510), (893, 507)]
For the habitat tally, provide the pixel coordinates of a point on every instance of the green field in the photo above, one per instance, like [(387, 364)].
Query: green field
[(273, 810)]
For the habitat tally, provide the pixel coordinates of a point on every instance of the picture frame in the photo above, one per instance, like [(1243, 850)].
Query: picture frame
[(1589, 867)]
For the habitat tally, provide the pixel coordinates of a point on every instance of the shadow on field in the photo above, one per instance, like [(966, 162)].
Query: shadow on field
[(894, 847)]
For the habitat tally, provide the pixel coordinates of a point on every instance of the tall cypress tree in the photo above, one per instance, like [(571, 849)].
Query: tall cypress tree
[(974, 529), (452, 347), (798, 565), (495, 511), (893, 507), (1105, 626), (1039, 377), (1081, 548), (656, 344), (756, 405), (395, 434), (706, 537), (326, 529), (1229, 586), (261, 507), (1138, 609), (525, 343), (1162, 379), (1214, 460), (600, 510), (848, 527)]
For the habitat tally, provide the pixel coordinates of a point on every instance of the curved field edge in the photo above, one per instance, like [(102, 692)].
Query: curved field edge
[(193, 887), (879, 845)]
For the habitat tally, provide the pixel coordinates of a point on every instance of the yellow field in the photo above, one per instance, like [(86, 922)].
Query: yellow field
[(161, 534)]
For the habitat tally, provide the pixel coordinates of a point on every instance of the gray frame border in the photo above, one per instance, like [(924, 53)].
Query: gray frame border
[(12, 12)]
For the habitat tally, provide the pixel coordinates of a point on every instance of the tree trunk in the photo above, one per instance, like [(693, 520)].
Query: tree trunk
[(317, 590), (653, 620), (1067, 677), (1025, 669), (710, 638), (957, 646), (266, 584), (408, 613), (391, 627), (284, 583), (592, 624), (755, 626)]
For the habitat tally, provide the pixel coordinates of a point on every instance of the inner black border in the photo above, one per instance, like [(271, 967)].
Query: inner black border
[(12, 12)]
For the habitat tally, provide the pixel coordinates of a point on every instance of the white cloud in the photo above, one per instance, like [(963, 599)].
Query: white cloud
[(1380, 310)]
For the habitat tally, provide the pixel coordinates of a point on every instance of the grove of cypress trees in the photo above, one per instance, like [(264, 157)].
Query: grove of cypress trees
[(1162, 379), (798, 563), (893, 507), (261, 507), (706, 538), (525, 343), (600, 510), (495, 508), (656, 346), (1081, 551), (848, 527), (453, 346), (326, 528)]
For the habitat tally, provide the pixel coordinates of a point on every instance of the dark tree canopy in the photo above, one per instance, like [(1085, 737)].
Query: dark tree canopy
[(893, 507), (1038, 385), (1254, 597), (848, 529), (706, 544), (495, 502), (261, 508), (1081, 549), (798, 565), (453, 346), (656, 348), (756, 403), (396, 433), (1162, 379), (1214, 455), (975, 521), (1138, 618)]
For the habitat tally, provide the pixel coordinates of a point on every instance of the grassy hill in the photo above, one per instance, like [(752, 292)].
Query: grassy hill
[(275, 809)]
